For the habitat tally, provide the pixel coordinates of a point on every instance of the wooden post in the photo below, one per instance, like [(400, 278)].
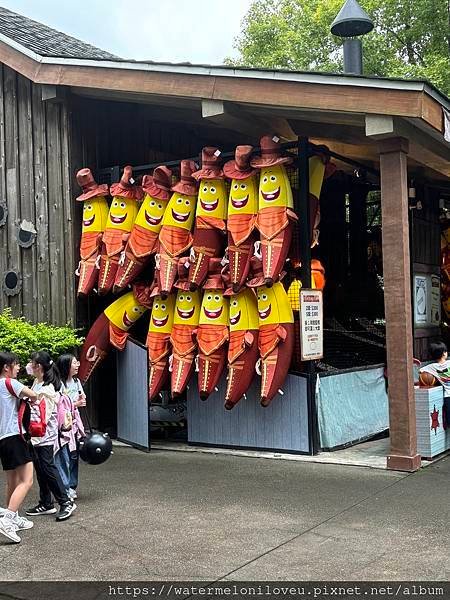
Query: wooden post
[(397, 299)]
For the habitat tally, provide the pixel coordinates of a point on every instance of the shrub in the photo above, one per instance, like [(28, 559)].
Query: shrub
[(23, 338)]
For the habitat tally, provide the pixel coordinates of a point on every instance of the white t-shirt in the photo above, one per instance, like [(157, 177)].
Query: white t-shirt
[(9, 409), (51, 402), (72, 389)]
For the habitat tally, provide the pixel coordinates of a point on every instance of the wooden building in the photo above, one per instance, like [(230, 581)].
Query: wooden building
[(66, 105)]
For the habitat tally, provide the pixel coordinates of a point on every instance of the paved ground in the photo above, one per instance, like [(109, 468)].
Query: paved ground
[(171, 515)]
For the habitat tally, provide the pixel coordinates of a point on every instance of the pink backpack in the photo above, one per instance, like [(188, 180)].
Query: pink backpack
[(64, 413)]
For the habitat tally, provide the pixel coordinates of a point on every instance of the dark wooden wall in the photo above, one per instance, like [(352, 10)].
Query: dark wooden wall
[(34, 184)]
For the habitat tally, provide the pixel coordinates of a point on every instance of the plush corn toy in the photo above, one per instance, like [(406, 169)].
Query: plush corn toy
[(144, 234), (320, 168), (242, 214), (243, 351), (184, 331), (212, 333), (276, 336), (122, 214), (158, 342), (210, 217), (276, 217), (111, 328), (175, 237), (95, 215)]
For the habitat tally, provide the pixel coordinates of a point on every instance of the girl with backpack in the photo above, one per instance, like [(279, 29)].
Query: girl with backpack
[(68, 457), (47, 384), (15, 451)]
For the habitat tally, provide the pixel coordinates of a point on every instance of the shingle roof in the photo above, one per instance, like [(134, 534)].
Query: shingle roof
[(46, 41)]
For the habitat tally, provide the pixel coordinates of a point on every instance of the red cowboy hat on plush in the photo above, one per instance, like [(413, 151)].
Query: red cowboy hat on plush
[(240, 168), (187, 184), (211, 168), (91, 189), (270, 153), (126, 187), (158, 185)]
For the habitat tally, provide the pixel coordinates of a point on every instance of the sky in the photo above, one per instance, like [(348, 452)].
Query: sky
[(160, 30)]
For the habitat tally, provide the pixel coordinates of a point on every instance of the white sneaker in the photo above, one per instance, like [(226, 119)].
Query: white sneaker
[(73, 494), (8, 527), (23, 522)]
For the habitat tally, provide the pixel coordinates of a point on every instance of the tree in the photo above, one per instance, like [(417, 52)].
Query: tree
[(411, 38)]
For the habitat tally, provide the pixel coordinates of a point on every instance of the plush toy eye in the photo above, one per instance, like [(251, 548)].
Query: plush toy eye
[(152, 203), (123, 205), (136, 309), (212, 190), (235, 186), (205, 189), (181, 298), (243, 186), (180, 201), (265, 179), (115, 204), (234, 303), (163, 307), (88, 207), (264, 297), (188, 298), (156, 306), (160, 206), (187, 202), (259, 297), (209, 297), (217, 298), (273, 178)]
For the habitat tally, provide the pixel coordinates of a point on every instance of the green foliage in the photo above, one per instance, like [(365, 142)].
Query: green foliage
[(411, 39), (23, 338)]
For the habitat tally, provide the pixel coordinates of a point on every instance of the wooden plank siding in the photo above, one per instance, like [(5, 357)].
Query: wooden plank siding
[(34, 183)]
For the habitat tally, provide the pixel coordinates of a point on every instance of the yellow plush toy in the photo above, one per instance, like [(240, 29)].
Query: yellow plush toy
[(158, 341)]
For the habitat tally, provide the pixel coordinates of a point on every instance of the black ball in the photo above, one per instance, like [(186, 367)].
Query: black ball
[(96, 448)]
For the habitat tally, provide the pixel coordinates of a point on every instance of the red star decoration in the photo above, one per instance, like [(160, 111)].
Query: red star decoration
[(434, 419)]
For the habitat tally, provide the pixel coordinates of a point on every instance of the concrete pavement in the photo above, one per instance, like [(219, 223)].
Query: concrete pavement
[(171, 515)]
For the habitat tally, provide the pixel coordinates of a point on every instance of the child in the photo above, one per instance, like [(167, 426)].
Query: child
[(67, 457), (15, 451), (46, 382), (440, 368)]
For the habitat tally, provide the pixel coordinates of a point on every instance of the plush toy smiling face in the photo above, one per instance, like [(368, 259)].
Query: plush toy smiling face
[(125, 311), (187, 308), (161, 320), (95, 214), (243, 197), (212, 199), (214, 310), (273, 305), (151, 213), (274, 188), (180, 211), (244, 311), (122, 213)]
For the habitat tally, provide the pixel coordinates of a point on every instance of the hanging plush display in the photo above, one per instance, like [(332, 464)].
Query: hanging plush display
[(158, 341), (212, 333), (95, 216), (242, 214), (111, 328), (210, 216), (276, 217), (276, 336), (175, 237), (320, 168), (122, 214), (243, 351), (184, 331), (144, 234)]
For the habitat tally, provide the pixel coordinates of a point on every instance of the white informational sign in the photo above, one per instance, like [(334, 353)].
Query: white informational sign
[(421, 299), (435, 310), (311, 324)]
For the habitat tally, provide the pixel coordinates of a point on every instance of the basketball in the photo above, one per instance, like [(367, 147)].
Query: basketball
[(427, 379)]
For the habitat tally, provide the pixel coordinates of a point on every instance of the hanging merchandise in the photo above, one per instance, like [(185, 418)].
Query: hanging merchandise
[(243, 351), (122, 214), (184, 331), (275, 212), (175, 237), (144, 235), (158, 341), (242, 214), (320, 168), (95, 216), (212, 334), (111, 328), (276, 336), (210, 216)]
